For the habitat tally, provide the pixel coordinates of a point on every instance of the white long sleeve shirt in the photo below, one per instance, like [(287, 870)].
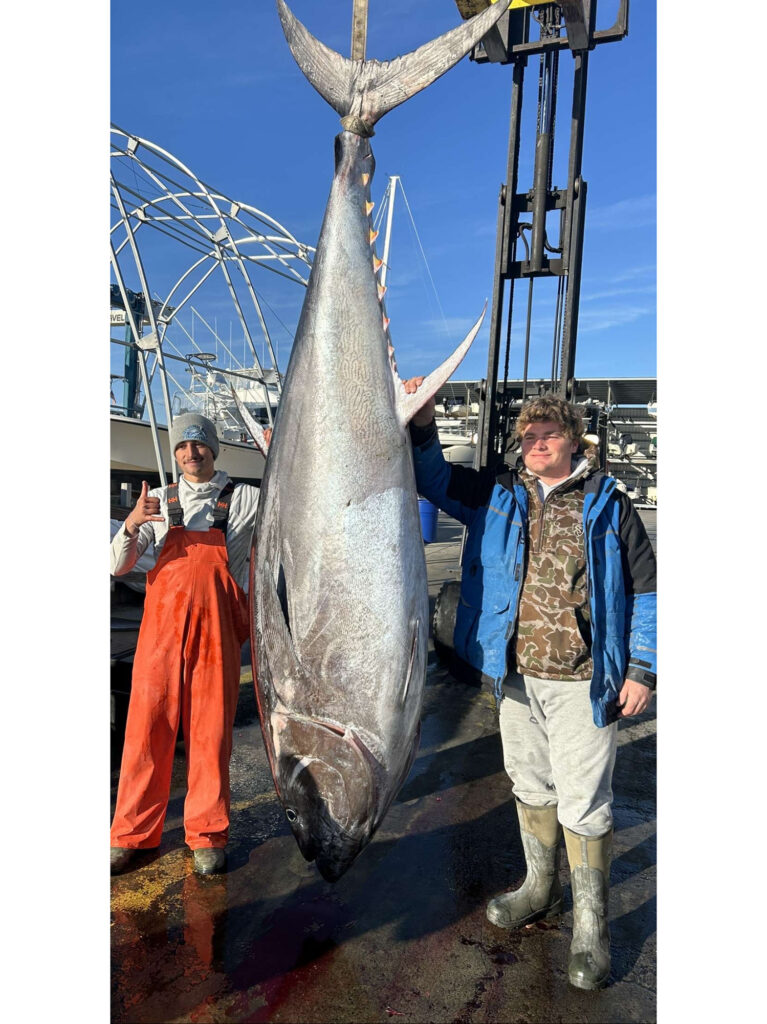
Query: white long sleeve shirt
[(197, 502)]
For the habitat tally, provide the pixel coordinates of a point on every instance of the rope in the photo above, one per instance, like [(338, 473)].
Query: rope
[(423, 254), (354, 124)]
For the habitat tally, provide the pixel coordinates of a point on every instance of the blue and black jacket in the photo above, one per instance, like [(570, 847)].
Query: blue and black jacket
[(620, 566)]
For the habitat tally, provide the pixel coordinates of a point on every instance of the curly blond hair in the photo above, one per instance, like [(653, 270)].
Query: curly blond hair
[(554, 408)]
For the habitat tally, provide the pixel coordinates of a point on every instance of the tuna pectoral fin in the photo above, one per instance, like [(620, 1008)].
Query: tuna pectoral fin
[(276, 642), (255, 430), (408, 405), (414, 663), (371, 88)]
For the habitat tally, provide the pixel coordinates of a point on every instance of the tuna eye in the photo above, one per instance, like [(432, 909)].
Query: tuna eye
[(291, 815)]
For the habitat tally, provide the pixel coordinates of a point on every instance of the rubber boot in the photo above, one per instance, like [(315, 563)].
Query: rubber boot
[(119, 858), (540, 895), (589, 964), (209, 860)]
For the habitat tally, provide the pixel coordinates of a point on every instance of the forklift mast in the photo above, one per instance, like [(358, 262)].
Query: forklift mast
[(524, 250)]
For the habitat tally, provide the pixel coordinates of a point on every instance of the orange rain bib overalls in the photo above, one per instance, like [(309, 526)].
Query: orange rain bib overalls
[(186, 669)]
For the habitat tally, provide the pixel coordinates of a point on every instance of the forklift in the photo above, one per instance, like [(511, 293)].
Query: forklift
[(530, 244)]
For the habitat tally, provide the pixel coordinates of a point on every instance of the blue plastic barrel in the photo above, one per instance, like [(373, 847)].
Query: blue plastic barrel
[(428, 520)]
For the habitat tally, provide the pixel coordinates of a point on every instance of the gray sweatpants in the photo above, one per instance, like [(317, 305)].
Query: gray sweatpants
[(554, 754)]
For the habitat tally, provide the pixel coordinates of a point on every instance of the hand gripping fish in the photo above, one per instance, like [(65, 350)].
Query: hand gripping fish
[(338, 576)]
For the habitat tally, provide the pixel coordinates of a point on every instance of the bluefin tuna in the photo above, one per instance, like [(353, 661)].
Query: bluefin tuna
[(338, 575)]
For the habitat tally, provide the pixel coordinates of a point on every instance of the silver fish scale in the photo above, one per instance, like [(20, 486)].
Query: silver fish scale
[(338, 509)]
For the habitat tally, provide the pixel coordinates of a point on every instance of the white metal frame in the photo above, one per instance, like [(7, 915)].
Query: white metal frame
[(153, 189)]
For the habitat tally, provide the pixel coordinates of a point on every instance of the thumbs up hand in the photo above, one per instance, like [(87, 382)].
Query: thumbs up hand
[(146, 510)]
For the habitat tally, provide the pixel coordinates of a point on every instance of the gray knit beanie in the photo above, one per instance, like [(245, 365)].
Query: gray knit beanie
[(190, 426)]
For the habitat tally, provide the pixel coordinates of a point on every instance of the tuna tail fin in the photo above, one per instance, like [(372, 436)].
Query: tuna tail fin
[(369, 89), (408, 405)]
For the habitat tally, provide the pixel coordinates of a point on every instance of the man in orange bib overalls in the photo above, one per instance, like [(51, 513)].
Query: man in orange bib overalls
[(187, 664)]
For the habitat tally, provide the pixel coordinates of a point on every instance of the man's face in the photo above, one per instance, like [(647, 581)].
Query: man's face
[(195, 460), (546, 450)]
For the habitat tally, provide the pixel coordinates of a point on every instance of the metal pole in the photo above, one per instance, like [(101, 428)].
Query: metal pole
[(506, 228), (393, 179), (574, 222), (359, 29), (136, 330), (155, 333), (543, 154), (130, 387)]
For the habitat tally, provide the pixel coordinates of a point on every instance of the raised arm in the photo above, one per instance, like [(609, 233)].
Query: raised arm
[(457, 490)]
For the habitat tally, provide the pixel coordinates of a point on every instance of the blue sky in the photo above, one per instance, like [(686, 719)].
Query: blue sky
[(217, 87)]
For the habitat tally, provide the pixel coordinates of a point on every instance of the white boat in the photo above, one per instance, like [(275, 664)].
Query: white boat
[(132, 453)]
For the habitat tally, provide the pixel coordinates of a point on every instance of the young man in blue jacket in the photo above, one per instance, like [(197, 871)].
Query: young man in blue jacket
[(557, 608)]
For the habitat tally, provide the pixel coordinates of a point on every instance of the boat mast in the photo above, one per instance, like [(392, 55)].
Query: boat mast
[(390, 192)]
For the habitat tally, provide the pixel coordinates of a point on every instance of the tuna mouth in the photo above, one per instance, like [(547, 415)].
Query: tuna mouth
[(334, 863)]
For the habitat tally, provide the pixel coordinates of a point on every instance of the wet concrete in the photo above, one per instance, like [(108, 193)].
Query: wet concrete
[(403, 935)]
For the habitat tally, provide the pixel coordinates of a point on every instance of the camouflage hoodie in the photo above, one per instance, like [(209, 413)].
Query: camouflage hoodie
[(553, 635)]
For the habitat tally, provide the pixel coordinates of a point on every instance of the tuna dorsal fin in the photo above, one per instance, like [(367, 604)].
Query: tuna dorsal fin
[(408, 405), (370, 88), (255, 430)]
